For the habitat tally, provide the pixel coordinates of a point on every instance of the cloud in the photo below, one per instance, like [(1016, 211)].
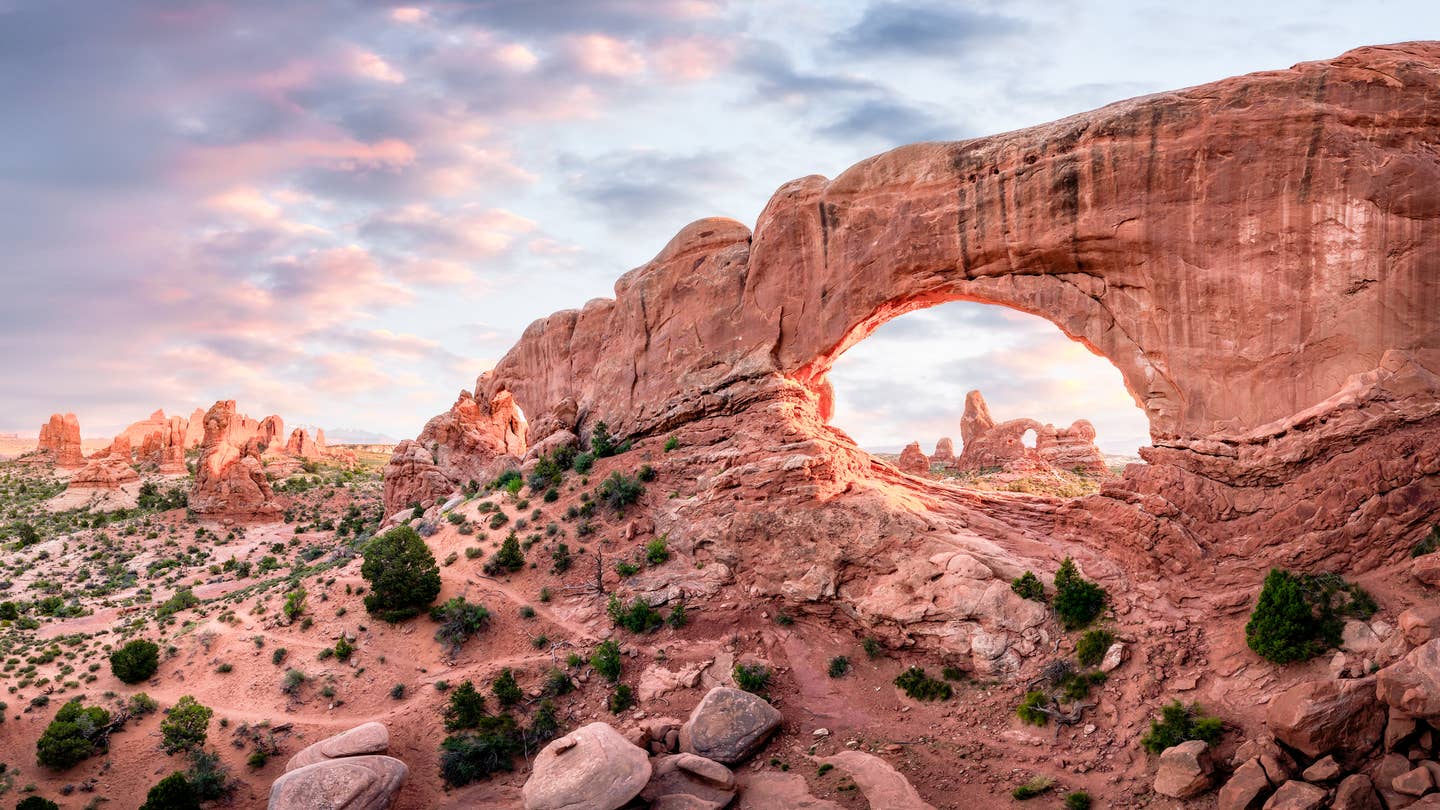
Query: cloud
[(640, 184), (919, 29), (894, 122)]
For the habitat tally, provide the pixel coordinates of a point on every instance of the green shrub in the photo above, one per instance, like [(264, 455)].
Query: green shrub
[(919, 686), (872, 647), (753, 678), (402, 573), (459, 621), (465, 709), (602, 444), (208, 776), (583, 462), (626, 569), (1090, 650), (136, 661), (1077, 685), (1029, 710), (621, 699), (655, 551), (1028, 586), (839, 665), (1428, 545), (671, 443), (294, 604), (174, 792), (1078, 601), (1294, 618), (77, 732), (1179, 723), (560, 558), (475, 755), (142, 704), (507, 692), (181, 600), (677, 618), (619, 491), (1037, 786), (639, 617), (36, 803), (184, 727), (397, 692), (1078, 800), (606, 660), (509, 557)]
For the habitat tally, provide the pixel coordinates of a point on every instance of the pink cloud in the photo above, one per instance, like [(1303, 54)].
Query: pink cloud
[(691, 58), (601, 55)]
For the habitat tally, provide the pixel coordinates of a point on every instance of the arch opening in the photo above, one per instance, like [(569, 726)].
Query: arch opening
[(989, 397)]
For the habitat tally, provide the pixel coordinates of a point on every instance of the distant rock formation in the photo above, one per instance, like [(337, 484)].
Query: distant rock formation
[(473, 441), (991, 446), (913, 460), (104, 473), (60, 439), (230, 479), (944, 452)]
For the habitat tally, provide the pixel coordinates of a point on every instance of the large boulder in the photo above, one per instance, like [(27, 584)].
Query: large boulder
[(1356, 793), (351, 783), (1244, 789), (1320, 717), (1297, 795), (1412, 684), (1426, 569), (1421, 623), (882, 785), (728, 725), (591, 768), (368, 738), (1185, 770), (701, 783)]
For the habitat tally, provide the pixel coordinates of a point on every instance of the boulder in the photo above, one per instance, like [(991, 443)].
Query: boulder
[(882, 785), (1185, 770), (703, 783), (1412, 684), (1421, 623), (367, 738), (1297, 795), (1355, 793), (1318, 717), (773, 790), (728, 725), (1114, 657), (1414, 782), (591, 768), (1322, 770), (1426, 569), (1244, 789), (351, 783), (1383, 777), (1357, 637)]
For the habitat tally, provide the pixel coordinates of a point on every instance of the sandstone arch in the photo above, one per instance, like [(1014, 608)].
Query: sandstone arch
[(1258, 256)]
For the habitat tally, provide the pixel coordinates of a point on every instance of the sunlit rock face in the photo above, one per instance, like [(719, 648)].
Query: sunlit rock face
[(230, 478), (1259, 257)]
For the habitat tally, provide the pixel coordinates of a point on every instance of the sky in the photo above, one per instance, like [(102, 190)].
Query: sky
[(342, 211)]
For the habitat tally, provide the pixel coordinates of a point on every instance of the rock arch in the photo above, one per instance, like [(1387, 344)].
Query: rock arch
[(1260, 257)]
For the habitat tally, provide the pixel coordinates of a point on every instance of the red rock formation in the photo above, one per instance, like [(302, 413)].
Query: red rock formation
[(104, 473), (60, 438), (1295, 414), (195, 429), (138, 432), (912, 460), (172, 454), (230, 479), (944, 452), (474, 441), (989, 446), (270, 430), (119, 449), (300, 445)]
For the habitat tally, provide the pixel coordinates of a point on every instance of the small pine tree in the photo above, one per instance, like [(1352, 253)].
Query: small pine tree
[(466, 708), (1028, 586), (1078, 601), (136, 661), (174, 792), (507, 692), (510, 556), (185, 727), (402, 573), (602, 444), (1284, 626)]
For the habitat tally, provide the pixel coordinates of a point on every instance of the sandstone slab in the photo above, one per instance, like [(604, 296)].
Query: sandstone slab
[(592, 768), (1319, 717), (728, 725), (1185, 770), (352, 783), (367, 738)]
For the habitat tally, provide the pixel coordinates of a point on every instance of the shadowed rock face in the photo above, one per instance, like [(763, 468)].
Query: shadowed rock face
[(1257, 256)]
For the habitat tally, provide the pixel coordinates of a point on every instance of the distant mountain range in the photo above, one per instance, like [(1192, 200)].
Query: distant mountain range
[(353, 436)]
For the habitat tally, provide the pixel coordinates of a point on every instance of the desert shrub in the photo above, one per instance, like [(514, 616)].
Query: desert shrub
[(638, 617), (1029, 710), (402, 573), (753, 678), (621, 699), (677, 617), (77, 732), (671, 443), (626, 569), (1077, 800), (208, 776), (919, 686), (184, 727), (509, 557), (619, 491), (1091, 647), (558, 683), (544, 725), (174, 792), (872, 647), (489, 747), (602, 444), (181, 600), (507, 692), (606, 660), (1037, 786), (397, 692), (294, 604), (1179, 723), (656, 552), (1078, 601), (646, 473), (583, 462), (141, 704), (1028, 586), (498, 519), (839, 666), (293, 680), (1077, 685), (278, 656), (36, 803), (1295, 617), (136, 661), (560, 558), (459, 621), (465, 709)]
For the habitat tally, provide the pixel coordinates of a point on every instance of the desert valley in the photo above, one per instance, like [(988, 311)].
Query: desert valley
[(637, 564)]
